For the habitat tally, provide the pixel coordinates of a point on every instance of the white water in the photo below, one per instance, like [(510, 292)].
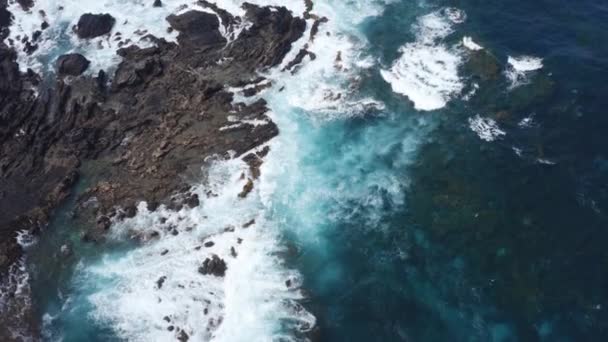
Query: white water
[(309, 179), (252, 302), (248, 303), (15, 292), (520, 68), (427, 71), (134, 20), (486, 128), (470, 44)]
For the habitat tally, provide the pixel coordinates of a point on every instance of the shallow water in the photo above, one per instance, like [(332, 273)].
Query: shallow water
[(472, 211)]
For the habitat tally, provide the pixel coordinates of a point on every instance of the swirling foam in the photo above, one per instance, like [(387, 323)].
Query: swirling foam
[(486, 128), (252, 302), (520, 68), (258, 299), (135, 19), (427, 71)]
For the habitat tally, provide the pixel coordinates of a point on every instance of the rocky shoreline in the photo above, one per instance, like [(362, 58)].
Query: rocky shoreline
[(141, 132)]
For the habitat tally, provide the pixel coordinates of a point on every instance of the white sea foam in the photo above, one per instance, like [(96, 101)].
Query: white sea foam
[(328, 85), (252, 302), (134, 20), (470, 44), (427, 71), (15, 293), (526, 122), (520, 68), (486, 128), (249, 304), (471, 93)]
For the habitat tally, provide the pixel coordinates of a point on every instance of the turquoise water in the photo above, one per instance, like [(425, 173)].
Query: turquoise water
[(400, 224)]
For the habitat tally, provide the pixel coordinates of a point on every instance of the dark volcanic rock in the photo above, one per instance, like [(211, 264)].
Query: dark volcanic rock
[(145, 137), (26, 4), (197, 29), (182, 336), (94, 25), (72, 64), (192, 201), (270, 36), (157, 3), (214, 266)]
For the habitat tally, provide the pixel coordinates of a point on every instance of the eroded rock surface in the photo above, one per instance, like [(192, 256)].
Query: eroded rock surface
[(94, 25), (139, 133), (72, 64)]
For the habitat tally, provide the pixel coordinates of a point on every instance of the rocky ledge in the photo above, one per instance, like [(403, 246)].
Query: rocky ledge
[(140, 133)]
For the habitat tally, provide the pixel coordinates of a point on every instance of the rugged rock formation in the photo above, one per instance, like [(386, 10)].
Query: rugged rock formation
[(94, 25), (72, 64), (197, 29), (142, 136), (165, 110), (213, 266)]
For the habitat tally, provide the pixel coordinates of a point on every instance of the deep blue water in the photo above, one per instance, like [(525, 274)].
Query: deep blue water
[(406, 226), (490, 246)]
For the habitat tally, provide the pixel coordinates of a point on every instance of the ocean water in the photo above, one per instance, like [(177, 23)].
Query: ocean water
[(440, 175)]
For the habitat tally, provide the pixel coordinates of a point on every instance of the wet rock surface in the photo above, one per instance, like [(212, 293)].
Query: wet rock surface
[(213, 266), (94, 25), (72, 64), (141, 133)]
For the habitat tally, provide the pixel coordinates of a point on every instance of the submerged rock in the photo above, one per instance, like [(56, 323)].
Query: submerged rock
[(66, 250), (94, 25)]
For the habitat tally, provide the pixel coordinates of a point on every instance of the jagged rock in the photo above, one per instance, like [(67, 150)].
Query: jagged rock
[(103, 223), (160, 282), (272, 32), (247, 188), (26, 4), (173, 92), (152, 206), (94, 25), (157, 3), (213, 266), (72, 64), (182, 336), (192, 201), (130, 211), (197, 28)]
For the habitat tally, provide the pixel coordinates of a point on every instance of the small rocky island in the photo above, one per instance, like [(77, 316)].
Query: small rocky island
[(138, 132)]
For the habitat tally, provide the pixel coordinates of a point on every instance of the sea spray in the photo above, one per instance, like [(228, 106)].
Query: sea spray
[(428, 70)]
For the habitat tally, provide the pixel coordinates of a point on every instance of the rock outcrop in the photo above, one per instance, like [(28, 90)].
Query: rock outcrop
[(141, 133), (73, 64), (166, 109), (213, 266), (94, 25)]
